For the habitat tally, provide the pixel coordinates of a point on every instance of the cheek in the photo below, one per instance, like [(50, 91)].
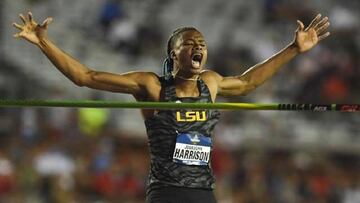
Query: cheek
[(205, 57), (184, 55)]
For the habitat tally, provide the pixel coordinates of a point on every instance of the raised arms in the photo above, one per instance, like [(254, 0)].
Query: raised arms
[(131, 83), (304, 40)]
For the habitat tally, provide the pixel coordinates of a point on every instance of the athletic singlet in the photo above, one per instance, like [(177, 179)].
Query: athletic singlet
[(180, 141)]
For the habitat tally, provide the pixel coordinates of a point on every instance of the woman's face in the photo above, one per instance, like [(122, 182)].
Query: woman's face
[(189, 53)]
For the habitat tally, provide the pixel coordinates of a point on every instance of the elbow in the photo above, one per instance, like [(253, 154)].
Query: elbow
[(83, 79), (79, 83)]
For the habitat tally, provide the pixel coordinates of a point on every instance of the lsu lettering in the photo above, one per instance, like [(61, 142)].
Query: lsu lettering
[(191, 116)]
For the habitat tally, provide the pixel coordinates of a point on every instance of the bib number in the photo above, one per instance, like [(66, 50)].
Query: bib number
[(192, 149)]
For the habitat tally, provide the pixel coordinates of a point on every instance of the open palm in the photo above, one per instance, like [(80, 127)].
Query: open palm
[(30, 30), (307, 38)]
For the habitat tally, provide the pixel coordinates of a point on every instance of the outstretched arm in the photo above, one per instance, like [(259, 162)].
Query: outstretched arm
[(78, 73), (305, 39)]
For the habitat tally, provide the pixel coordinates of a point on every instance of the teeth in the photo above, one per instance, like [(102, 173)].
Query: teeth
[(197, 57)]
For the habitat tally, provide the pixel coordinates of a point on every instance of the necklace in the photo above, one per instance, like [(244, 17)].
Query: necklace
[(188, 79)]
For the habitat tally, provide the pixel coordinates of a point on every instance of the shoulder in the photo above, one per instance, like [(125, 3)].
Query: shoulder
[(210, 76), (145, 81), (145, 78), (151, 76), (144, 74)]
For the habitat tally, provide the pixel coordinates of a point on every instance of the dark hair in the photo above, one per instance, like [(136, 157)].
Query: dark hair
[(168, 63)]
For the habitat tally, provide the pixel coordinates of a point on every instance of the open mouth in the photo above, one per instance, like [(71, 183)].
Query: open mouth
[(196, 60)]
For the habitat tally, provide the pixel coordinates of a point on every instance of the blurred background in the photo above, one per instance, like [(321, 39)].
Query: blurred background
[(58, 155)]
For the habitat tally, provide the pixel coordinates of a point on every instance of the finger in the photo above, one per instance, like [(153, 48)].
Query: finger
[(322, 22), (322, 37), (17, 26), (30, 16), (46, 22), (23, 19), (323, 28), (17, 35), (314, 21), (300, 25)]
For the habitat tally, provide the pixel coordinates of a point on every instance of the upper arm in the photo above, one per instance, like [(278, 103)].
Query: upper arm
[(229, 86), (134, 83)]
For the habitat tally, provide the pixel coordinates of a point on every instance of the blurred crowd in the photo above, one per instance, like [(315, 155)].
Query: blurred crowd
[(70, 155), (59, 155), (127, 36)]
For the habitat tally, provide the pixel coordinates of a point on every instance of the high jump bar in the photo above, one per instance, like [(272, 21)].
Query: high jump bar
[(5, 103)]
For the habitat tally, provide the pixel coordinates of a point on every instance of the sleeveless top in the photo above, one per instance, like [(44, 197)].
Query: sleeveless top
[(163, 130)]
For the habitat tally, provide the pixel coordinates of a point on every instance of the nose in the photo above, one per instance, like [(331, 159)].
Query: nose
[(197, 47)]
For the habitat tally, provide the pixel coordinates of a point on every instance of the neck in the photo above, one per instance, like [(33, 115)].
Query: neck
[(187, 79), (186, 87)]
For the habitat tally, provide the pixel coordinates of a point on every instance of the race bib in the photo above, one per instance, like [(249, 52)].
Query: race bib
[(192, 149)]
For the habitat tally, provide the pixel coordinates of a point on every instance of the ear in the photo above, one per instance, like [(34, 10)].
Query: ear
[(173, 55)]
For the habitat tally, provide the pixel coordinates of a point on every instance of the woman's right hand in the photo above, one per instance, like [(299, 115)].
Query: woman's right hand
[(30, 30)]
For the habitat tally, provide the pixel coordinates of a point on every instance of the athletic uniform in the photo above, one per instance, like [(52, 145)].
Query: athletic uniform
[(180, 146)]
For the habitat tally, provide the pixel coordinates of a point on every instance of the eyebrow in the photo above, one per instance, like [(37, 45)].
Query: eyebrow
[(199, 41)]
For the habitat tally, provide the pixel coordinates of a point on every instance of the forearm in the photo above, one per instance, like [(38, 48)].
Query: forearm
[(66, 64), (259, 73)]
